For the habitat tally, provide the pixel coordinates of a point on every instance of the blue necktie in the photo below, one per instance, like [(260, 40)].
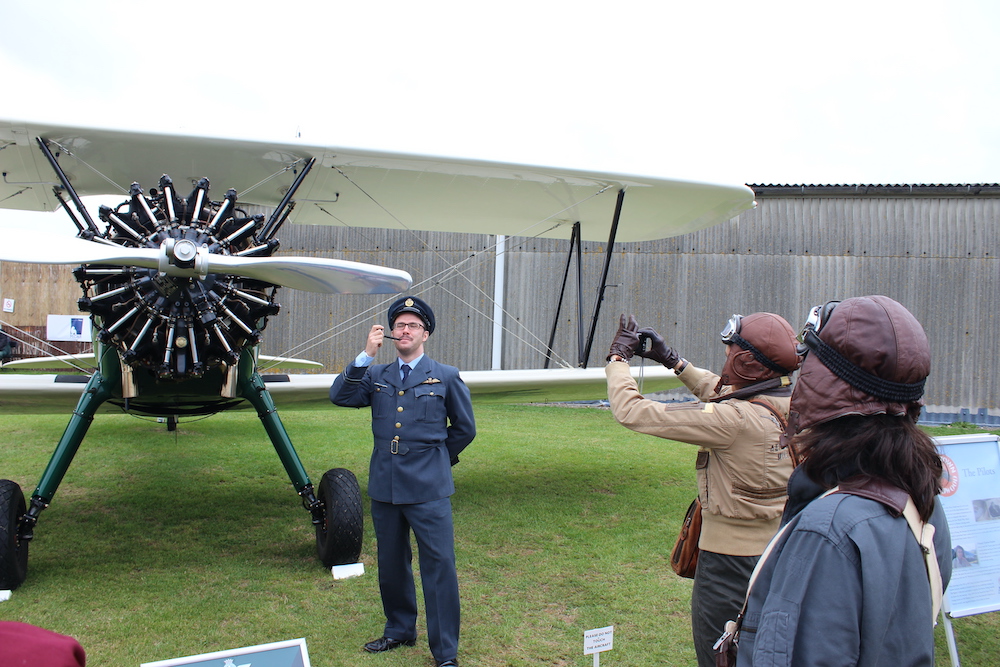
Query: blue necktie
[(406, 371)]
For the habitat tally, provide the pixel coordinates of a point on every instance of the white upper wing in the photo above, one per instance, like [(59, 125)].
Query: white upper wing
[(359, 188)]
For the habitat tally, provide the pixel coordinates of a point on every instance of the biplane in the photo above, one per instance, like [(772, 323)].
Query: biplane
[(179, 282)]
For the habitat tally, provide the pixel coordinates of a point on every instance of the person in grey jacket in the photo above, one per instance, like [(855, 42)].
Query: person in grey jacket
[(421, 420), (847, 582)]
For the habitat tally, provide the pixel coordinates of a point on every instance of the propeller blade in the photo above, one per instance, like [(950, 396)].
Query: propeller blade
[(71, 250), (311, 274), (314, 274)]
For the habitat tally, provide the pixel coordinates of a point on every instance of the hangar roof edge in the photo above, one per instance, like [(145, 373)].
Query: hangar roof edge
[(921, 190)]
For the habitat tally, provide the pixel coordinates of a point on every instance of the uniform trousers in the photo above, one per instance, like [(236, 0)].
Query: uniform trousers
[(431, 524), (720, 589)]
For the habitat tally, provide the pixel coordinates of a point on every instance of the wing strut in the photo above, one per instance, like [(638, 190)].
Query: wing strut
[(279, 215), (574, 242), (583, 353), (91, 227), (604, 276)]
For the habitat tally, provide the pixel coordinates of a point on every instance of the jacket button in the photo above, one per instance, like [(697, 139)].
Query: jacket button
[(401, 392), (399, 409), (398, 425)]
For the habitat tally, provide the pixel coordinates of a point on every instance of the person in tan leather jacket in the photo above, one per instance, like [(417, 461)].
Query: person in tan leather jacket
[(742, 468)]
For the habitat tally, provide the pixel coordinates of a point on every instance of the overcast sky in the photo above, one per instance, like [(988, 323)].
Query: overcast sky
[(729, 92)]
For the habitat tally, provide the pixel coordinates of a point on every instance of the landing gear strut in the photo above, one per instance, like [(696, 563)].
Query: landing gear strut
[(336, 511)]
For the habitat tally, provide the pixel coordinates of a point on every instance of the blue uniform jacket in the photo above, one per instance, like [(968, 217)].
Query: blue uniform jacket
[(419, 427)]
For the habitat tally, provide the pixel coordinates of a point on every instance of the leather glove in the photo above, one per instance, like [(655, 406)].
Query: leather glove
[(626, 340), (659, 350)]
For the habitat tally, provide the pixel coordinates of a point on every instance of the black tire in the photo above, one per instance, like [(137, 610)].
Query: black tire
[(338, 538), (13, 551)]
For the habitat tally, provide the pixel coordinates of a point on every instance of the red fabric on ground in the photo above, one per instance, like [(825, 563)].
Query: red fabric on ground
[(24, 645)]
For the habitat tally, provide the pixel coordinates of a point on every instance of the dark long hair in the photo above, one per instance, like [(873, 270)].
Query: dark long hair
[(889, 448)]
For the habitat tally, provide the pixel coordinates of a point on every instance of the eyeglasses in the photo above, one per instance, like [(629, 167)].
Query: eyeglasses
[(732, 330), (412, 326), (817, 317)]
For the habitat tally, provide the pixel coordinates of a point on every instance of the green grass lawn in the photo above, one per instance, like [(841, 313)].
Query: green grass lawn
[(164, 544)]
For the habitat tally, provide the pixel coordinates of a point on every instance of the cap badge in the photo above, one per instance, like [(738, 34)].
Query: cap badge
[(408, 303)]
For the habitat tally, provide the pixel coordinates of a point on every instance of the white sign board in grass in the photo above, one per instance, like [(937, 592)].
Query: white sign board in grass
[(598, 640), (291, 653)]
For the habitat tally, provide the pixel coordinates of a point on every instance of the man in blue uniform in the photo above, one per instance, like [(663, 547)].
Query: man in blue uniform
[(421, 420)]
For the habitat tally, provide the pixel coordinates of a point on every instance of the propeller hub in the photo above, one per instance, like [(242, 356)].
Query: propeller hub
[(181, 257), (185, 251)]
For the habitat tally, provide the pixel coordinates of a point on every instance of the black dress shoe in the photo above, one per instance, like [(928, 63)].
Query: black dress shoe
[(448, 663), (387, 644)]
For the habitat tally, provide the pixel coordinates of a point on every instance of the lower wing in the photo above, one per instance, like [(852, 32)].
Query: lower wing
[(52, 394)]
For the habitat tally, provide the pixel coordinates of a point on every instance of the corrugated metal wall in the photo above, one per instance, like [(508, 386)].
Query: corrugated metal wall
[(455, 272), (936, 255)]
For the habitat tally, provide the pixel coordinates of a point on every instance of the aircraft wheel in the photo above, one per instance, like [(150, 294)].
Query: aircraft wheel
[(338, 538), (13, 550)]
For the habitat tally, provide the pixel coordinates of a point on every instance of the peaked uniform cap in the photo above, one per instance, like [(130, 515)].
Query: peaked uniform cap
[(876, 335), (411, 304)]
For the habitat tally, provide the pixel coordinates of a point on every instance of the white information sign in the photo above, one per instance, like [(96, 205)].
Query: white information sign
[(970, 495), (598, 640), (8, 305), (68, 328), (291, 653)]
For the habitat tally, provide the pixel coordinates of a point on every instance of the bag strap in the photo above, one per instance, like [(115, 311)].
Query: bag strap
[(770, 547), (899, 503), (924, 532), (775, 411), (732, 628), (783, 383)]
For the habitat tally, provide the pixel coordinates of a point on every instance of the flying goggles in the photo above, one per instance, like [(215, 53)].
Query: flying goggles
[(818, 316)]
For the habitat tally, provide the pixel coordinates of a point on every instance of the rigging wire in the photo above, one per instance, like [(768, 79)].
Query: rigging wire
[(438, 280), (67, 151), (42, 347), (287, 168), (451, 271)]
